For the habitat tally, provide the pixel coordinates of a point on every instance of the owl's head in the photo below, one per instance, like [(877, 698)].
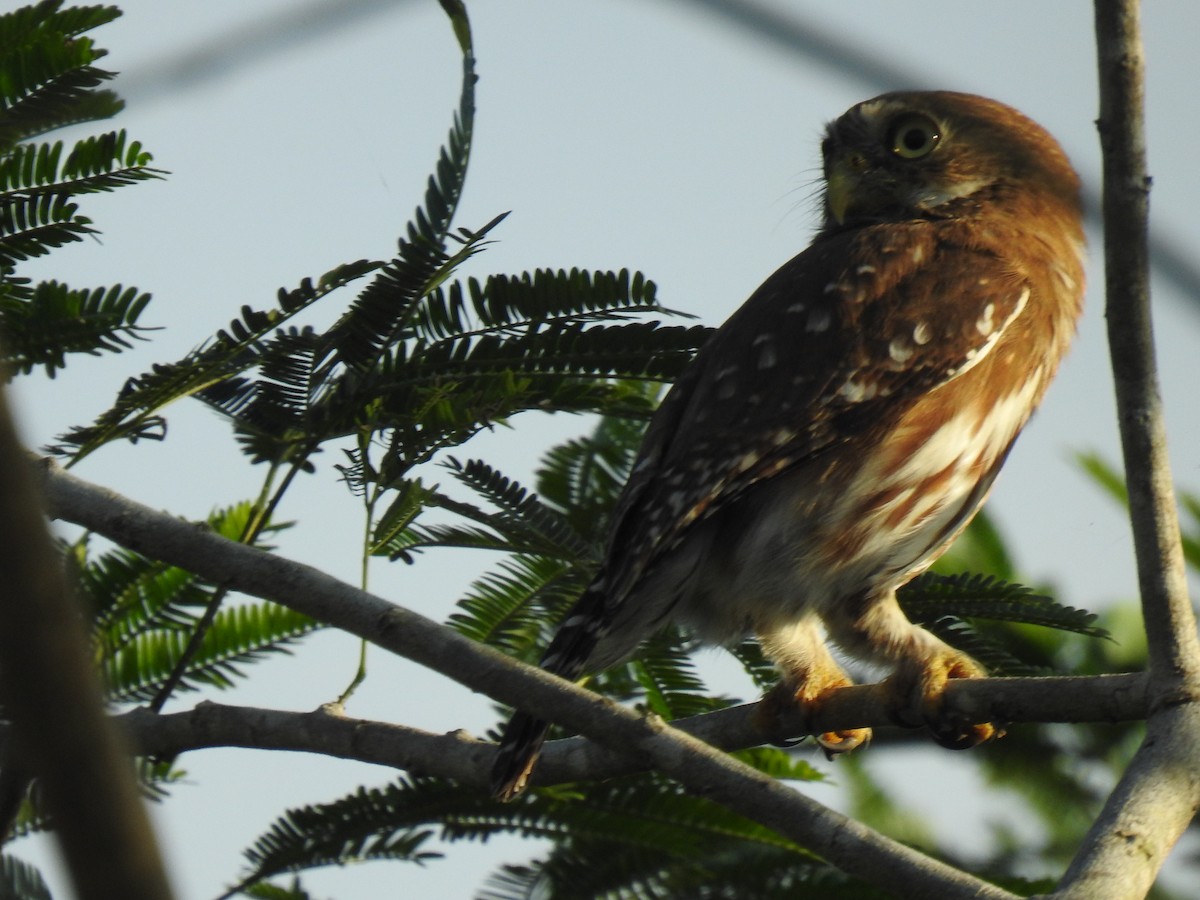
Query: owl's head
[(939, 154)]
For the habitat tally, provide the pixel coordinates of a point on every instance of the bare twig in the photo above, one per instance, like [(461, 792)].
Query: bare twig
[(468, 760), (1170, 624), (49, 689), (701, 768), (1160, 791)]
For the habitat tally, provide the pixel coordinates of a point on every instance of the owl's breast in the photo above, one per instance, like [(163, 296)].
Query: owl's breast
[(862, 521)]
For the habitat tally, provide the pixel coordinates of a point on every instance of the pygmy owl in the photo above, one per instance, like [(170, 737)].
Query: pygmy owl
[(832, 439)]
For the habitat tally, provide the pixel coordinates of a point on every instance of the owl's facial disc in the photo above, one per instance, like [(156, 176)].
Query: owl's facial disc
[(885, 161)]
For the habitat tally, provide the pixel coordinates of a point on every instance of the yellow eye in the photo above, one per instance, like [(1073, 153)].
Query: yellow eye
[(913, 136)]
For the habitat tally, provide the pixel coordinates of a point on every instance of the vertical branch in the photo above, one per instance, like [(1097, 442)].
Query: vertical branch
[(1170, 624), (49, 689), (1159, 793)]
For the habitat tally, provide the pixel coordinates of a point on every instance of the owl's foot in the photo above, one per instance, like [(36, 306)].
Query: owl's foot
[(786, 696), (919, 692)]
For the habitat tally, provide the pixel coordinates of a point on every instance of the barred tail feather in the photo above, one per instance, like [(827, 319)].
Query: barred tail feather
[(518, 754), (566, 657)]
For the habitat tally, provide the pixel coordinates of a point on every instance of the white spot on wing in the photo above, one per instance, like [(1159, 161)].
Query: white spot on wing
[(987, 320), (643, 464), (900, 350), (781, 436), (767, 357), (975, 354), (747, 461), (857, 391), (820, 320), (921, 333)]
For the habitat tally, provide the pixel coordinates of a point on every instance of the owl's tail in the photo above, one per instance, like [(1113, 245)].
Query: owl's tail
[(566, 657), (518, 754)]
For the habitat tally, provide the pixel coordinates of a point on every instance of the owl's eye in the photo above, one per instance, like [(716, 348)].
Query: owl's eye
[(913, 136)]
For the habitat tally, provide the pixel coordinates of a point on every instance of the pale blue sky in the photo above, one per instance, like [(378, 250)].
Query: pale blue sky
[(649, 135)]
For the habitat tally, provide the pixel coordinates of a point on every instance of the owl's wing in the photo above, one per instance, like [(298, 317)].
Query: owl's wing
[(841, 339)]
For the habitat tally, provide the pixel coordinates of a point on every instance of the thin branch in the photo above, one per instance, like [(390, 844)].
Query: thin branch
[(701, 769), (1159, 793), (1162, 579), (468, 760), (50, 691)]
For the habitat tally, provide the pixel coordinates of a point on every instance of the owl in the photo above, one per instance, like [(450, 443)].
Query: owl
[(838, 432)]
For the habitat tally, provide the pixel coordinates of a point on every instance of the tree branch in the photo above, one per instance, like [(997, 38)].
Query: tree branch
[(700, 768), (467, 760), (1162, 579), (50, 691), (1160, 791)]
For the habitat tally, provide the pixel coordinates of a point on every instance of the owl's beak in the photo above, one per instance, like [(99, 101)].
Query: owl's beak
[(855, 189), (843, 178)]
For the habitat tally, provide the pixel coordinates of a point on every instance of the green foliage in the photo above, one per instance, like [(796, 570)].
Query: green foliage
[(945, 603), (631, 837), (48, 81), (145, 612), (383, 823), (58, 320), (217, 362), (644, 837), (239, 635), (418, 362), (266, 891), (21, 881)]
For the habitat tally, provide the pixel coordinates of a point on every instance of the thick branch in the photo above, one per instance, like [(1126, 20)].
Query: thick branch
[(50, 691), (467, 760), (699, 767), (1160, 792)]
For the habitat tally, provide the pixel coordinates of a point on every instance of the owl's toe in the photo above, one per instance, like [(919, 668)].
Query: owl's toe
[(807, 698), (835, 743), (920, 692)]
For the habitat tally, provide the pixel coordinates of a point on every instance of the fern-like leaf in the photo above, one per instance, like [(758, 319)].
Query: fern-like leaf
[(100, 163), (376, 317), (666, 672), (369, 824), (618, 819), (56, 320), (239, 635), (644, 837), (21, 881), (50, 80), (145, 611), (984, 597), (943, 604), (507, 606), (583, 478), (268, 891), (135, 414)]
